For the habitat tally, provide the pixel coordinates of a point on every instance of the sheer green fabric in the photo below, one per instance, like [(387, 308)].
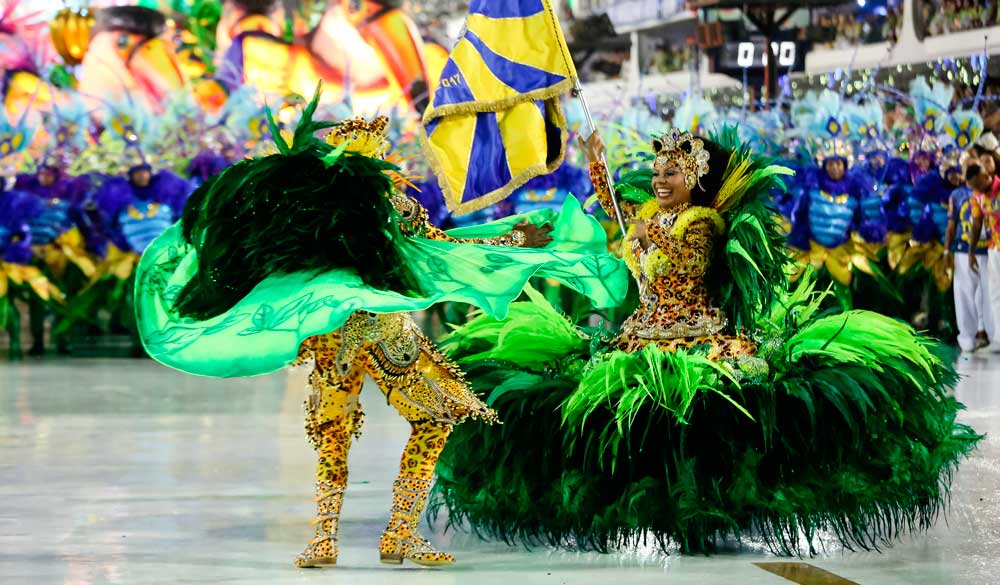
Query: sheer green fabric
[(263, 331), (573, 230)]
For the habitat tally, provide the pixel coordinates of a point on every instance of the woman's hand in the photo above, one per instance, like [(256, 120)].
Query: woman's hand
[(640, 233), (534, 236), (593, 146)]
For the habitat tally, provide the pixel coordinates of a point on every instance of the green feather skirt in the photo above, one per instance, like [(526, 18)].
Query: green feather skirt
[(262, 331), (841, 428)]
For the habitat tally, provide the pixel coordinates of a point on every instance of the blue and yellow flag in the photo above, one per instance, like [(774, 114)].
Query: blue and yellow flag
[(495, 121)]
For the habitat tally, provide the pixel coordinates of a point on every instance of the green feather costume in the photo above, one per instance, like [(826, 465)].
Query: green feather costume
[(841, 423), (280, 248)]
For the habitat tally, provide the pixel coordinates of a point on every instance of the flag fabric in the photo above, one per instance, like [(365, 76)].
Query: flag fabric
[(495, 121)]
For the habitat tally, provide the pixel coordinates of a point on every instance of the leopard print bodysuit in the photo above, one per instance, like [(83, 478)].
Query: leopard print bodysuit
[(416, 379), (675, 310)]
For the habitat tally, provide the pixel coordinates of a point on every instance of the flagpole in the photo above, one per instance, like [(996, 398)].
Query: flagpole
[(578, 92)]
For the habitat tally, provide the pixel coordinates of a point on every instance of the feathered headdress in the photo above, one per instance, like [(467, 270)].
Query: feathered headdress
[(14, 138), (867, 122), (243, 115), (684, 151), (68, 125), (186, 119), (136, 128), (696, 115), (930, 104), (961, 129), (762, 130), (964, 127), (371, 138), (824, 122), (364, 137)]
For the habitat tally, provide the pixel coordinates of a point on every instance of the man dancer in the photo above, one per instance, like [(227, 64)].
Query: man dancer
[(975, 319), (981, 177)]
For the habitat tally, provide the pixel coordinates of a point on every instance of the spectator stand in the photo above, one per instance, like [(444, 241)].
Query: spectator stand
[(910, 48), (945, 17), (662, 58), (770, 19)]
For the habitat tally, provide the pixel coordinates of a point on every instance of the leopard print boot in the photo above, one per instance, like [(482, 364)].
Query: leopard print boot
[(332, 441), (402, 539), (322, 549)]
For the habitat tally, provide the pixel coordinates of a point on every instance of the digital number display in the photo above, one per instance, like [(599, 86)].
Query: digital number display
[(750, 54)]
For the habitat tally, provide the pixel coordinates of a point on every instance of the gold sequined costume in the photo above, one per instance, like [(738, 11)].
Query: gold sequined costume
[(420, 384), (416, 379), (675, 310)]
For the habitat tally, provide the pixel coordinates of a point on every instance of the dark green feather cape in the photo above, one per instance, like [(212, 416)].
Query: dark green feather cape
[(841, 425)]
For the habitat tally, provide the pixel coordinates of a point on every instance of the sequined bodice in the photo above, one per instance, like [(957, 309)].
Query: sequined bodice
[(675, 311), (673, 297)]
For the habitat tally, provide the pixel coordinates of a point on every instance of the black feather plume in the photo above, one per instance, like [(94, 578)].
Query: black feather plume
[(292, 212)]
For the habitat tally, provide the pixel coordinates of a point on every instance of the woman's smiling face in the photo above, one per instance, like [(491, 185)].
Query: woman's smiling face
[(669, 186)]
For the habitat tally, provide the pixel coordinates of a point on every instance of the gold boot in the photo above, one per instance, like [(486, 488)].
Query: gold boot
[(402, 539), (322, 549), (333, 418)]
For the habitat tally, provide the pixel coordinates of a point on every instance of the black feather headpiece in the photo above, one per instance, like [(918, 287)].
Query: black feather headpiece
[(310, 207)]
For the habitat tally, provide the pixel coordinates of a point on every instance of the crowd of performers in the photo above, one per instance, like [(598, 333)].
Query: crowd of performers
[(886, 215), (82, 200), (899, 233), (883, 212), (748, 393)]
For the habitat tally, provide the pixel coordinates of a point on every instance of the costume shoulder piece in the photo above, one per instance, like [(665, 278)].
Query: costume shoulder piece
[(754, 249), (694, 215)]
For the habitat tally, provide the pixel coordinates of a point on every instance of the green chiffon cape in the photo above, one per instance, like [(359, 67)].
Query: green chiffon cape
[(263, 331)]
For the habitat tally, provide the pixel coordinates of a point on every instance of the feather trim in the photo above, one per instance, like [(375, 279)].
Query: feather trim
[(648, 210), (741, 177), (849, 435), (695, 214)]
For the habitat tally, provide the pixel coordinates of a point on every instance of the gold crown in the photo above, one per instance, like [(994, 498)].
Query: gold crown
[(692, 161), (835, 148), (367, 138)]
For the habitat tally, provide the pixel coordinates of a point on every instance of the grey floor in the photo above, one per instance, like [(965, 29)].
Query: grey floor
[(121, 471)]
